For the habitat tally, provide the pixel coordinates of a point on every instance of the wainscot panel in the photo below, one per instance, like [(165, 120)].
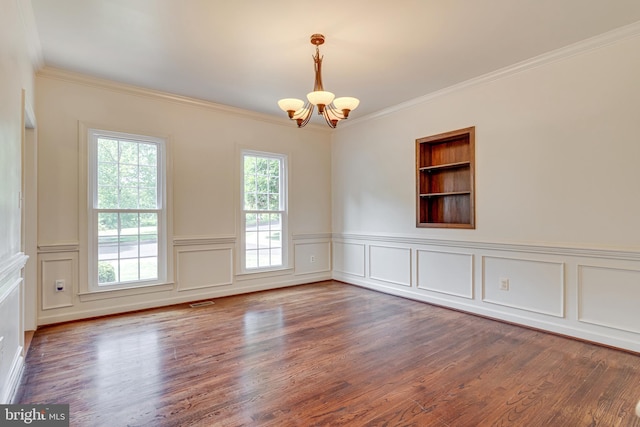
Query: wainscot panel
[(586, 293), (349, 258), (390, 264), (609, 297), (200, 267), (11, 325), (536, 286), (312, 257), (445, 272), (54, 267)]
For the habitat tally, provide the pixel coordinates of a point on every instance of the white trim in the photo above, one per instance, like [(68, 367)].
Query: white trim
[(165, 223), (125, 292), (283, 211), (618, 254), (58, 247), (12, 265), (77, 78), (14, 377), (583, 46), (203, 240), (311, 236)]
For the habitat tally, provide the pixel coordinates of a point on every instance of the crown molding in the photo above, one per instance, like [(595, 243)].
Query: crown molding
[(96, 82), (614, 36)]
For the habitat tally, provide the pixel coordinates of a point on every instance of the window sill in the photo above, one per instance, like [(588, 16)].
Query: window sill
[(124, 292)]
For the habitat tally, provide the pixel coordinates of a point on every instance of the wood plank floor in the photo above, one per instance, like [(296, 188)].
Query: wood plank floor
[(324, 354)]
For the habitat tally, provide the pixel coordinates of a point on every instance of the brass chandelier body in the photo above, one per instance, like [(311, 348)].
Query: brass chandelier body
[(332, 109)]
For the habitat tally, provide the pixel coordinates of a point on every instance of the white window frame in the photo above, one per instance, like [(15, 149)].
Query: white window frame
[(162, 209), (284, 186)]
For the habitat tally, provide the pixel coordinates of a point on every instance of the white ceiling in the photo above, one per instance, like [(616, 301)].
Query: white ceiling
[(250, 53)]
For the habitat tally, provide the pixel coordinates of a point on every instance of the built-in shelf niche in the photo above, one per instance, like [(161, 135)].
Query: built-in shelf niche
[(445, 193)]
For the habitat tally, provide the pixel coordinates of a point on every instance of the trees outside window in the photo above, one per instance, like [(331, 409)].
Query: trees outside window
[(127, 209), (263, 210)]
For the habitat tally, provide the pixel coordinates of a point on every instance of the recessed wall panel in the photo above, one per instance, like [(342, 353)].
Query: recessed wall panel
[(312, 257), (54, 267), (609, 297), (533, 285), (199, 268), (349, 258), (446, 272), (390, 264)]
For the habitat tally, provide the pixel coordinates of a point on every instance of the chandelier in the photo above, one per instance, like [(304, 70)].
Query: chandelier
[(331, 108)]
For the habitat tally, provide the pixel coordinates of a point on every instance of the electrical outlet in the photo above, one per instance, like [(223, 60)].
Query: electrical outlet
[(504, 284), (59, 286), (312, 258)]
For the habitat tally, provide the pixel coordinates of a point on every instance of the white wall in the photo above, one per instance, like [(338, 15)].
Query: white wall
[(557, 196), (205, 141), (16, 77)]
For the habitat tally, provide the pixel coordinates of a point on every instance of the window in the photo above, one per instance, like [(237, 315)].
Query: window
[(264, 214), (127, 210)]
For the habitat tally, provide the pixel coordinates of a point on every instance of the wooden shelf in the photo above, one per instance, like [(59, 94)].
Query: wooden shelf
[(445, 191), (450, 193), (445, 166)]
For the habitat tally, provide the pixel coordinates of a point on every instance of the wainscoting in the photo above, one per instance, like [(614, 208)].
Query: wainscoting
[(589, 294), (204, 267), (11, 325)]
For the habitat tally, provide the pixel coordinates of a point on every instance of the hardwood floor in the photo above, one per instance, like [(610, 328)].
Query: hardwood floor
[(324, 354)]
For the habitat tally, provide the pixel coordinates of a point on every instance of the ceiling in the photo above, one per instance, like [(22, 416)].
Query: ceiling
[(250, 53)]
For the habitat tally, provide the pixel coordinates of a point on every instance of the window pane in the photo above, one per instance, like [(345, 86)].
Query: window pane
[(107, 150), (264, 239), (148, 268), (274, 202), (251, 240), (129, 270), (126, 177), (129, 152), (276, 256), (148, 154), (262, 165), (107, 197), (276, 221), (274, 184), (251, 259), (107, 174), (263, 221), (128, 198), (249, 165), (264, 258), (262, 183), (250, 201), (148, 176), (262, 202), (107, 272), (250, 182), (262, 192), (108, 224), (147, 198)]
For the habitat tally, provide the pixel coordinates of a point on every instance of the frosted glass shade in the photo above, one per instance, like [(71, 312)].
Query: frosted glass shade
[(320, 97), (290, 104), (346, 103)]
